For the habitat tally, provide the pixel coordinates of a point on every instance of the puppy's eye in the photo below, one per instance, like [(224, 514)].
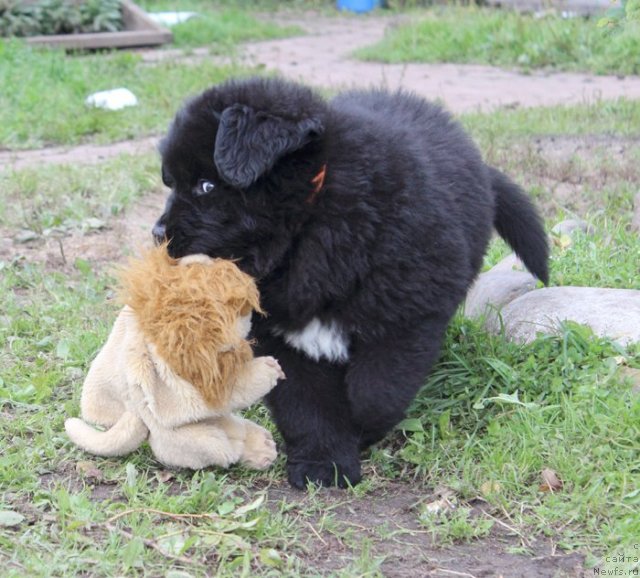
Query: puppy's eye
[(204, 187)]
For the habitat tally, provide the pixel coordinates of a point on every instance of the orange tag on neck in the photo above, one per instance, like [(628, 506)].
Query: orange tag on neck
[(318, 183)]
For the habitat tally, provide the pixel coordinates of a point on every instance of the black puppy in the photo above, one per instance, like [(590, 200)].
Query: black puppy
[(365, 220)]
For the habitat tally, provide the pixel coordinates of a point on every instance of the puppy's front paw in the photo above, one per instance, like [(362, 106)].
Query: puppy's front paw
[(259, 448)]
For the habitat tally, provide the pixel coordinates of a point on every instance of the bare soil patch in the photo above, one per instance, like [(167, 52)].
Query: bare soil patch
[(566, 167), (572, 170), (82, 154), (122, 236), (387, 520)]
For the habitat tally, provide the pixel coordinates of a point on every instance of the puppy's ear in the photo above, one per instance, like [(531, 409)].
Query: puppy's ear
[(249, 143)]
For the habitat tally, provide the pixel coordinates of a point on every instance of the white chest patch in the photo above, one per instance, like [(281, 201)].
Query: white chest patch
[(319, 340)]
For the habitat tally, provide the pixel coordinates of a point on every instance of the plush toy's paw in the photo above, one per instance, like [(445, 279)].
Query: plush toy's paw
[(259, 448), (272, 369), (273, 363), (323, 473)]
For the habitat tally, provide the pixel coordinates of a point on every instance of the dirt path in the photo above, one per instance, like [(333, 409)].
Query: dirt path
[(322, 58), (88, 153)]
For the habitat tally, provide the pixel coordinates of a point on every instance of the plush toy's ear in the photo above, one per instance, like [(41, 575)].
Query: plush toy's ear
[(249, 143)]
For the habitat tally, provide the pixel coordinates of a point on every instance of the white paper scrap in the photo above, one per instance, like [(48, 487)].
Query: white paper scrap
[(112, 99), (170, 18)]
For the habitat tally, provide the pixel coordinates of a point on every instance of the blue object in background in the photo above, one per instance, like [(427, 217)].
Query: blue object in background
[(358, 5)]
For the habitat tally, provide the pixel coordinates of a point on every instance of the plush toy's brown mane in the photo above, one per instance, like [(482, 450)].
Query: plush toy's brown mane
[(189, 313)]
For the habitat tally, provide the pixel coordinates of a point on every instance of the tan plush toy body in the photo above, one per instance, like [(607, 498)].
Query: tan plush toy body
[(176, 365)]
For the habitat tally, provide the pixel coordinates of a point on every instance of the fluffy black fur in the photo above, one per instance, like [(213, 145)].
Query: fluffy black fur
[(384, 251)]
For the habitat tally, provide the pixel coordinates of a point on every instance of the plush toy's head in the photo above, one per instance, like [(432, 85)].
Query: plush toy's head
[(195, 311)]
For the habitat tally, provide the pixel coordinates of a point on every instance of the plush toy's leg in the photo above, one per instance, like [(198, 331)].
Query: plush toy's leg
[(257, 379), (101, 401), (195, 446), (122, 438), (258, 448)]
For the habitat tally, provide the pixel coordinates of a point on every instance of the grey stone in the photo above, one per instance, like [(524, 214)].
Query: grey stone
[(569, 226), (495, 289), (509, 263), (613, 313)]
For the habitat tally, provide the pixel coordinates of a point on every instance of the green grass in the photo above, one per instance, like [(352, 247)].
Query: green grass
[(510, 39), (492, 414), (219, 26), (620, 117), (223, 30), (52, 325), (62, 197), (50, 108)]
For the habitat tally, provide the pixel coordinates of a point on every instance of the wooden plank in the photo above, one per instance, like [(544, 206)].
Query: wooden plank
[(140, 30)]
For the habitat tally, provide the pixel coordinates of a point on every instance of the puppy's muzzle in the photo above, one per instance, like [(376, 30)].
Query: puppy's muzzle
[(159, 232)]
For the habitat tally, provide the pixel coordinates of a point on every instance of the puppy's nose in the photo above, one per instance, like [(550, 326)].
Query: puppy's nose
[(159, 232)]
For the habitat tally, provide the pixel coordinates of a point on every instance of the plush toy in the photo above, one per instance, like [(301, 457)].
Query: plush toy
[(176, 365)]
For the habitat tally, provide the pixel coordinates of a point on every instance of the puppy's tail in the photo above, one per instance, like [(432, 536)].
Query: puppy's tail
[(519, 224), (122, 438)]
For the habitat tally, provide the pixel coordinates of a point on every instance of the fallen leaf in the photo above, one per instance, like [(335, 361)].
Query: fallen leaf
[(163, 476), (270, 557), (178, 574), (10, 518), (490, 488), (437, 506), (445, 501), (93, 224), (173, 544), (132, 475), (632, 375), (550, 481), (25, 236), (89, 470), (63, 349), (563, 241), (242, 510)]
